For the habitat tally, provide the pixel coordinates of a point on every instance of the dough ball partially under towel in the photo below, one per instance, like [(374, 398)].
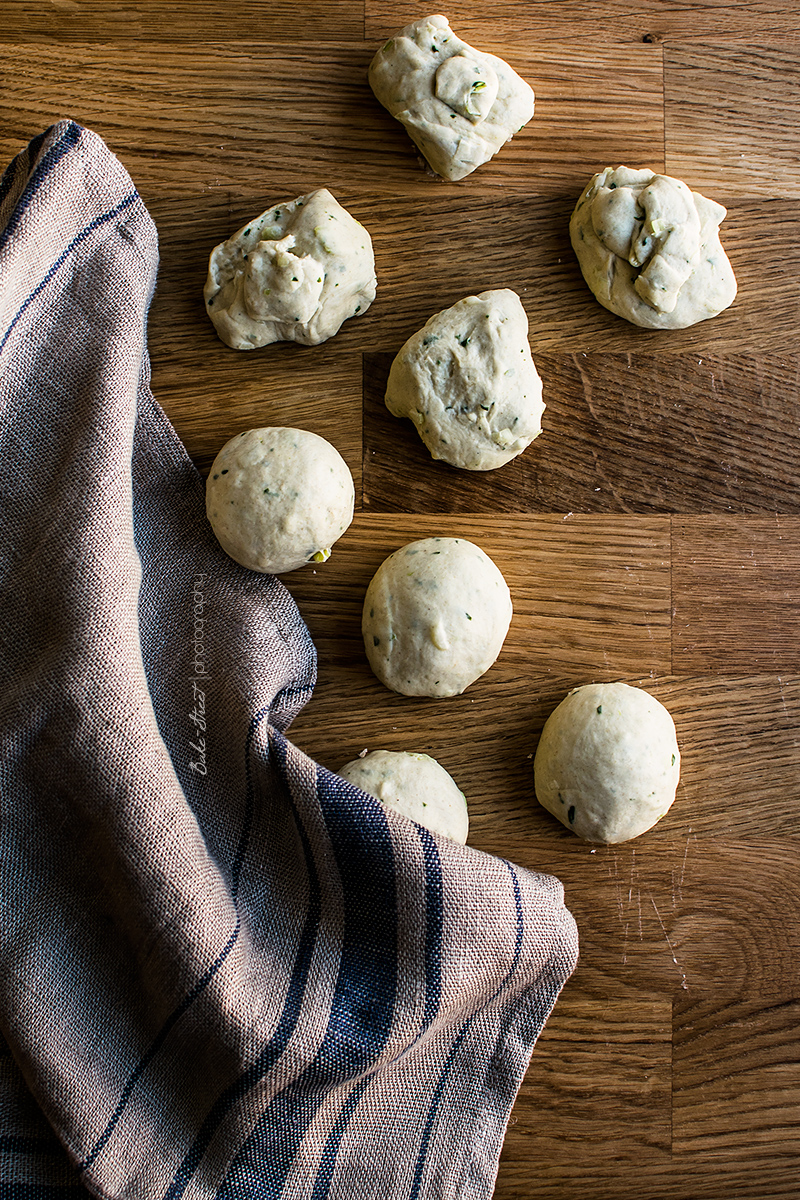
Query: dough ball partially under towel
[(416, 785), (649, 249), (293, 274), (607, 764), (278, 498), (459, 105), (468, 382), (435, 617)]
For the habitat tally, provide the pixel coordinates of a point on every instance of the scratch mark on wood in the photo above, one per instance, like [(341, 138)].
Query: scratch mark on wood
[(684, 983), (683, 870)]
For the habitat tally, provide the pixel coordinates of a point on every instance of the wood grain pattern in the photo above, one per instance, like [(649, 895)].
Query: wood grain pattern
[(178, 21), (607, 21), (210, 117), (652, 533), (615, 436), (735, 1083), (735, 593), (723, 137)]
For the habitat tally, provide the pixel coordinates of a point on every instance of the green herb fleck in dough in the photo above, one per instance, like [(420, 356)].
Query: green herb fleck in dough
[(571, 814), (599, 708)]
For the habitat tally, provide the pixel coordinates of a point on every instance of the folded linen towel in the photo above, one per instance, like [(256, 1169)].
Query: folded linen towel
[(225, 972)]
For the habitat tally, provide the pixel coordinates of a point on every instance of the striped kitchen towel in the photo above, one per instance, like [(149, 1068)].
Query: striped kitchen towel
[(225, 972)]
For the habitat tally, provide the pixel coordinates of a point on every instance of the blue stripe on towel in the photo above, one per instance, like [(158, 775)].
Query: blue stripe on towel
[(434, 921), (363, 1002), (322, 1182), (434, 926), (62, 258), (442, 1082), (69, 138), (206, 978), (285, 1028)]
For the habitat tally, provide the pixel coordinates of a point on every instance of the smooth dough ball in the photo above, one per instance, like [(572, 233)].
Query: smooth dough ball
[(436, 614), (607, 764), (468, 382), (458, 105), (416, 785), (293, 274), (279, 498), (649, 249)]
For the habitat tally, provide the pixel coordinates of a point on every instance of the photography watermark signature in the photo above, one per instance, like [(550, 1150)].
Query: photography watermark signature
[(197, 716)]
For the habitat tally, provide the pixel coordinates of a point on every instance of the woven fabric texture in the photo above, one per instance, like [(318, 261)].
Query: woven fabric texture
[(225, 972)]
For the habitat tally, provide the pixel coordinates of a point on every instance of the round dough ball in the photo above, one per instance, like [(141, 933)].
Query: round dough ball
[(649, 249), (416, 785), (278, 498), (607, 764), (435, 617)]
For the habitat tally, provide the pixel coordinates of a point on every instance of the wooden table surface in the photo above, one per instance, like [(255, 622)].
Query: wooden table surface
[(652, 533)]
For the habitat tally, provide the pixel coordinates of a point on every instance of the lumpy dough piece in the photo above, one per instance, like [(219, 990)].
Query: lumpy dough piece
[(607, 764), (435, 617), (278, 498), (649, 249), (469, 384), (458, 105), (293, 274), (415, 785)]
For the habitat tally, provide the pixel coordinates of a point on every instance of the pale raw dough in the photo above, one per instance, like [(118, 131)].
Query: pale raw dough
[(469, 384), (293, 274), (458, 105), (607, 764), (435, 617), (278, 498), (649, 249), (415, 785)]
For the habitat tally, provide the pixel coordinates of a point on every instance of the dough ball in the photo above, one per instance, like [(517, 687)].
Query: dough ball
[(469, 384), (649, 249), (436, 614), (279, 498), (416, 785), (293, 274), (459, 105), (607, 764)]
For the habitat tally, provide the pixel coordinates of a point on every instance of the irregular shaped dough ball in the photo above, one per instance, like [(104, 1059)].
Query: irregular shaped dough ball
[(435, 617), (278, 498), (649, 249), (469, 384), (416, 785), (607, 764), (459, 105), (293, 274)]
